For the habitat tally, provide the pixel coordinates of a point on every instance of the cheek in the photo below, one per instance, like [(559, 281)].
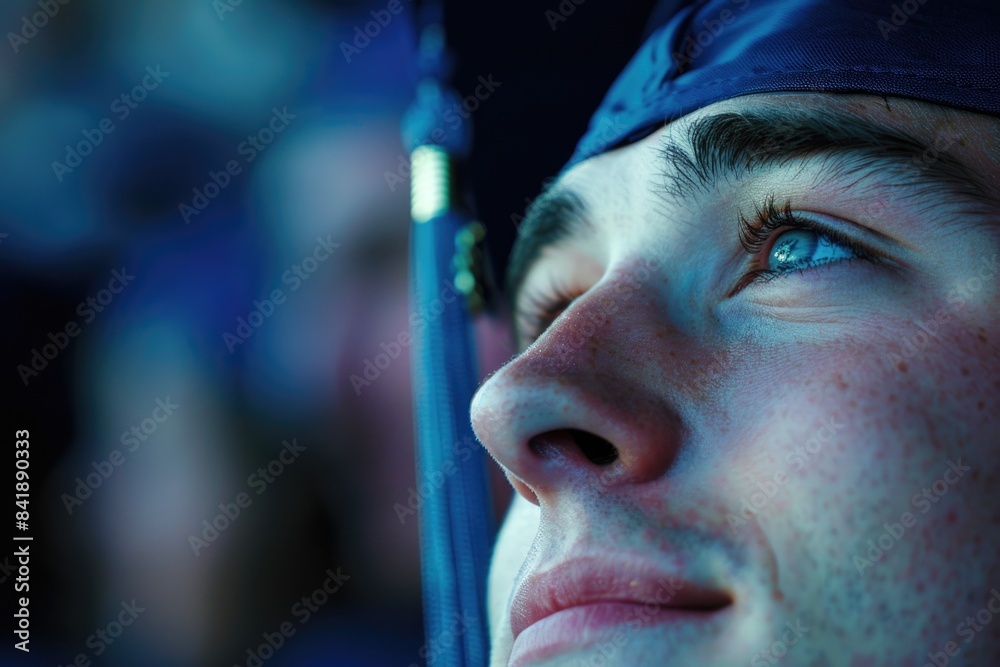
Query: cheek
[(512, 547), (880, 476)]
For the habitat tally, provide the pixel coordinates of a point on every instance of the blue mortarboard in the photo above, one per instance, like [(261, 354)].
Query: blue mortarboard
[(703, 51)]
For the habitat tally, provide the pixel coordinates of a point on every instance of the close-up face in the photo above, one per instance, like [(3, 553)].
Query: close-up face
[(753, 418)]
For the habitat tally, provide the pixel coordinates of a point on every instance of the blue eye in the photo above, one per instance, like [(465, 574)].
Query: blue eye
[(781, 243), (802, 248)]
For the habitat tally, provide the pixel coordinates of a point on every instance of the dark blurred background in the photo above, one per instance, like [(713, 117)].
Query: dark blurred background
[(167, 167)]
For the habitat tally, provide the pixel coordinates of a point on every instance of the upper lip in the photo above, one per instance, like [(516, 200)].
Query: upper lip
[(595, 579)]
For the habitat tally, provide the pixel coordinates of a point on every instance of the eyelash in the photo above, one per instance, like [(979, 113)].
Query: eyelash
[(544, 306), (755, 233)]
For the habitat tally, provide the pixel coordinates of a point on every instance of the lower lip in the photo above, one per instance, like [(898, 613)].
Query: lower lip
[(588, 626)]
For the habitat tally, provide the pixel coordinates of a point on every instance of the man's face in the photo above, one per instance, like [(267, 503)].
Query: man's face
[(755, 417)]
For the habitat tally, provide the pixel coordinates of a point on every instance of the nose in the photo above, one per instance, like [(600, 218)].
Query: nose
[(585, 406)]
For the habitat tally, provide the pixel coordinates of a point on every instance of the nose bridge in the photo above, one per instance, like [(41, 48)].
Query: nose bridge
[(622, 305), (592, 375), (597, 328)]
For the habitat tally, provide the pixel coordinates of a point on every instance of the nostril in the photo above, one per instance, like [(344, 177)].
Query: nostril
[(597, 450), (558, 444)]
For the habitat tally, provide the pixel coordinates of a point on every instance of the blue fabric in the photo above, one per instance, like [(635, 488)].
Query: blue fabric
[(942, 51), (456, 514)]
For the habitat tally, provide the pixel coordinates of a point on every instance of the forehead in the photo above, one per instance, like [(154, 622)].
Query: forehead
[(969, 137)]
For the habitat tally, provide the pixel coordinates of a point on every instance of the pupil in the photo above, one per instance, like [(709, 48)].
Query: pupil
[(793, 247)]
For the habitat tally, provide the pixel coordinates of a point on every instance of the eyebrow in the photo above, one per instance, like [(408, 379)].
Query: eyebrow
[(735, 145)]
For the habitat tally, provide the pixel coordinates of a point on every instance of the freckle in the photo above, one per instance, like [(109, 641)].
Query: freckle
[(778, 596), (892, 398), (965, 371), (903, 366), (982, 338), (950, 517), (981, 405)]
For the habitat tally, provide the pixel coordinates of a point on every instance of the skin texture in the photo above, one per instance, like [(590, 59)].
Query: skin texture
[(711, 397)]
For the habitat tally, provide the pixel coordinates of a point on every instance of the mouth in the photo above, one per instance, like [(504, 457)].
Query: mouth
[(584, 601)]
